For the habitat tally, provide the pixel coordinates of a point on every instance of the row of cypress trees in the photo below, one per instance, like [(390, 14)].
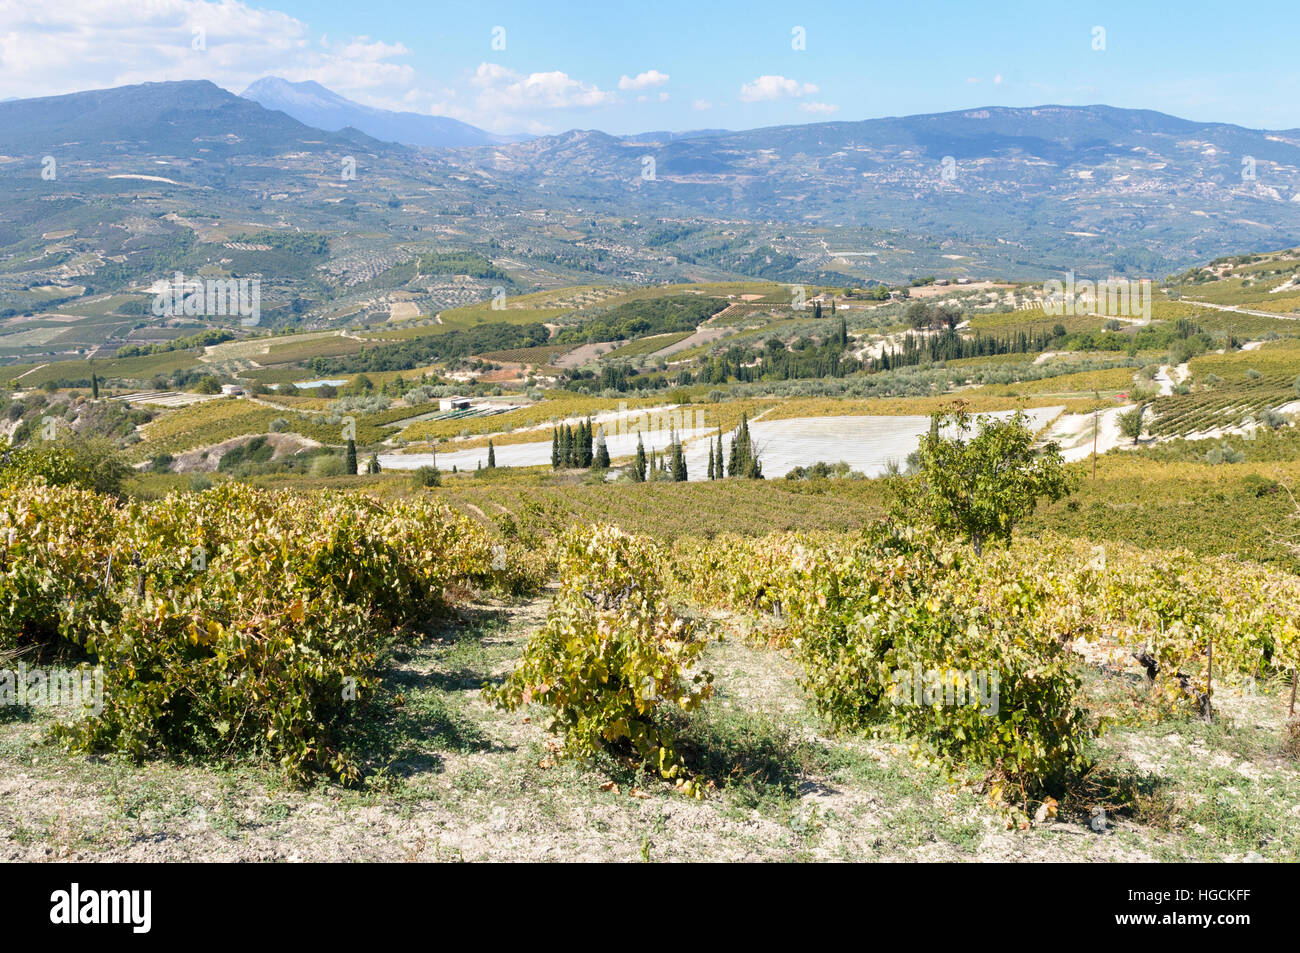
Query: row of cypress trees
[(350, 460), (672, 461), (578, 447), (742, 461)]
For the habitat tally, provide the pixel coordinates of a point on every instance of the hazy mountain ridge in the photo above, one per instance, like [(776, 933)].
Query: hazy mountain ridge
[(1017, 193), (180, 118), (314, 105)]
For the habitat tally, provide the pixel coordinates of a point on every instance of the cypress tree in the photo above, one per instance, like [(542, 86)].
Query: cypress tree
[(602, 452), (710, 458), (94, 387), (679, 462), (350, 463), (492, 456), (588, 454), (555, 448), (639, 461)]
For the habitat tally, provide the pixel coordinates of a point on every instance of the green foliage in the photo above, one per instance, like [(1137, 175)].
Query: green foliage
[(1131, 423), (643, 317), (897, 614), (233, 621), (459, 263), (202, 339), (255, 451), (426, 476), (873, 618), (419, 351), (979, 487), (612, 655), (295, 242), (639, 462), (824, 471), (744, 461), (91, 463)]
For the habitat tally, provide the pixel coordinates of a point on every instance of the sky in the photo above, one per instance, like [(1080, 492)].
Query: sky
[(548, 65)]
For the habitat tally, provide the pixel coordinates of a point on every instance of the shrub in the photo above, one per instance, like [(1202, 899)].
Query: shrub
[(426, 476), (612, 655), (91, 463), (245, 622), (327, 465), (868, 617)]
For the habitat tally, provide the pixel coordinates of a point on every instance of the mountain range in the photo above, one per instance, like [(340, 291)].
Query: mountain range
[(1007, 192), (313, 104)]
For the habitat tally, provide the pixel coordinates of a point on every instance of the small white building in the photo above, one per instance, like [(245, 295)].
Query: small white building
[(454, 403), (232, 390)]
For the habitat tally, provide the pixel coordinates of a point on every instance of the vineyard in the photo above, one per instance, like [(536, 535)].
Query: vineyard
[(1222, 405), (243, 626), (234, 621)]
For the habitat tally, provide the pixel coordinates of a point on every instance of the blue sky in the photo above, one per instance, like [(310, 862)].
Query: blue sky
[(665, 64)]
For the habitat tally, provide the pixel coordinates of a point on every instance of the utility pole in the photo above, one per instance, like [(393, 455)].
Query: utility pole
[(1094, 444)]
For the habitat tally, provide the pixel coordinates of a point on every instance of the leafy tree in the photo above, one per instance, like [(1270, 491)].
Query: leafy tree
[(372, 465), (1130, 424), (980, 486)]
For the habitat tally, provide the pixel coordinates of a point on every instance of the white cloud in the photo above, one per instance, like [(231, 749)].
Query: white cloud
[(90, 44), (997, 80), (774, 87), (973, 79), (818, 107), (643, 80), (93, 44), (701, 104), (503, 90)]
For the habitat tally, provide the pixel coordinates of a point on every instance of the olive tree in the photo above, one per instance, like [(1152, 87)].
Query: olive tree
[(1131, 423)]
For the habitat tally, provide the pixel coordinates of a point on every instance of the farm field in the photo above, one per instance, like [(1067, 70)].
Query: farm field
[(385, 600)]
